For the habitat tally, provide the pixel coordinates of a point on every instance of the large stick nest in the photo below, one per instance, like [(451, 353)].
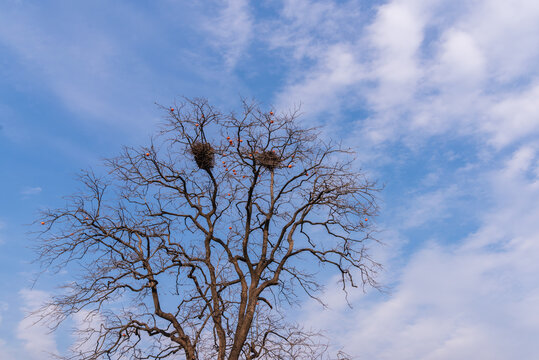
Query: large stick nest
[(204, 155), (269, 159)]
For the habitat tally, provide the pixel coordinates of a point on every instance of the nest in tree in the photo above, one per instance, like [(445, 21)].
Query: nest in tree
[(269, 159), (204, 155)]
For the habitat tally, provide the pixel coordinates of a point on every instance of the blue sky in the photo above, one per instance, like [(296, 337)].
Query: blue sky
[(440, 99)]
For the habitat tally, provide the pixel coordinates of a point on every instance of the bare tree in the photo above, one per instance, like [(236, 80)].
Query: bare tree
[(191, 247)]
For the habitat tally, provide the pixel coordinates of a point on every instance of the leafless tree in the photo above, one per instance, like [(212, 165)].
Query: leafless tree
[(191, 247)]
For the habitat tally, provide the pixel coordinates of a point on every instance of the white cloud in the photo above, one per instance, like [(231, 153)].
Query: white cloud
[(418, 68), (396, 35), (507, 32), (38, 342), (461, 63), (513, 117), (473, 299)]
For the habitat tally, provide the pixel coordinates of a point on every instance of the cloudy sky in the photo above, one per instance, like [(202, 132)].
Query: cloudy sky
[(440, 98)]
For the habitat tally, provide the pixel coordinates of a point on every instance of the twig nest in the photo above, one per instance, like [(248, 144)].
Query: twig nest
[(269, 159), (204, 155)]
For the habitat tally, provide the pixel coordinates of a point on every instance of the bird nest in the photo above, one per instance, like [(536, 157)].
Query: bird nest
[(269, 159), (204, 155)]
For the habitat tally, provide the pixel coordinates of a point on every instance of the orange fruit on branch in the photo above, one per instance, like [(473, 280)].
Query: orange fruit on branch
[(43, 223), (171, 109)]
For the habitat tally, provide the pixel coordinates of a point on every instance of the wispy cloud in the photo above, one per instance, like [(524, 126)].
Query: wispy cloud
[(336, 70), (90, 68), (231, 31), (38, 342), (513, 117), (87, 323), (395, 37), (307, 28), (7, 351), (428, 206), (31, 190), (2, 226), (318, 40), (474, 299), (3, 308), (421, 69), (405, 73)]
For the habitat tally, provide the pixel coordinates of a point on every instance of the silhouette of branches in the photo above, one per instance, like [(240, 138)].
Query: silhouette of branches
[(186, 248)]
